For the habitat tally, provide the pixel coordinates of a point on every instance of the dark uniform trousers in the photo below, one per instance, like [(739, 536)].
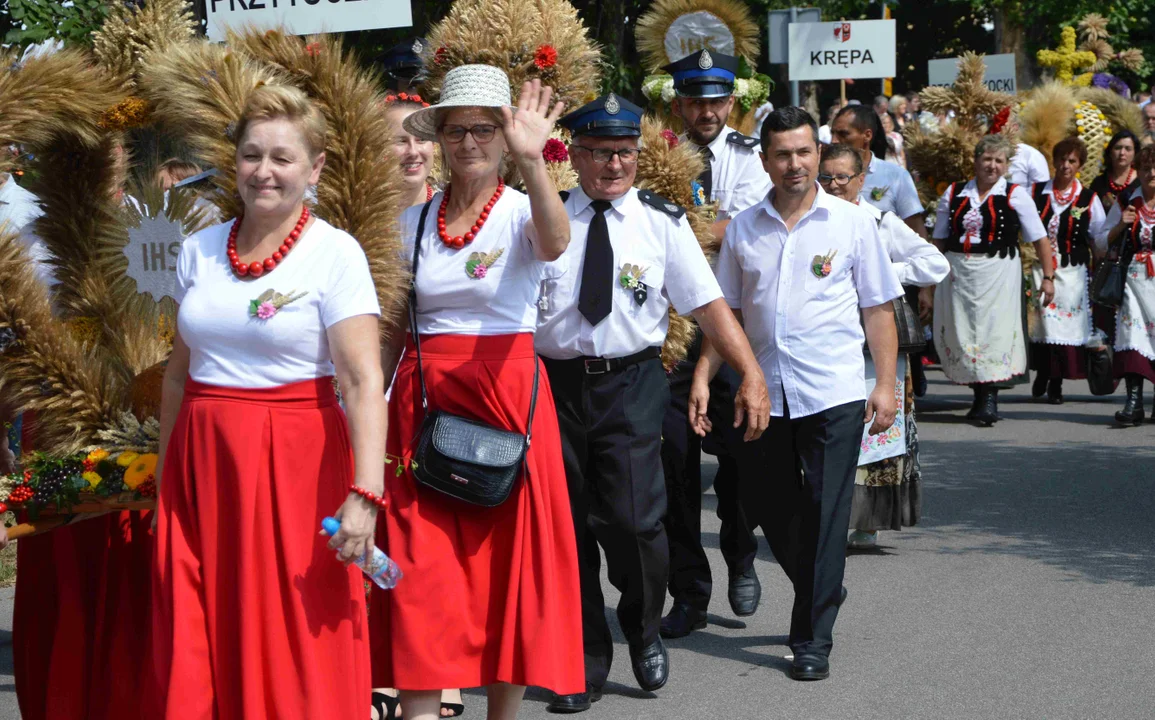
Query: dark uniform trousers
[(797, 482), (690, 579), (611, 432)]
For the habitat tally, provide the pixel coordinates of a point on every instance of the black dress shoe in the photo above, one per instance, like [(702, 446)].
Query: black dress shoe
[(651, 666), (681, 621), (810, 667), (745, 592), (580, 702), (1039, 386), (1055, 392)]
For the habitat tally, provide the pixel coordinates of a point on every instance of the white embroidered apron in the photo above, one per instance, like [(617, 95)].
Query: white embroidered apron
[(978, 319)]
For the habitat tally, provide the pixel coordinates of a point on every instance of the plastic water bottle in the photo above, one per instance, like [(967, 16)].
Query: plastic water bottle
[(377, 565)]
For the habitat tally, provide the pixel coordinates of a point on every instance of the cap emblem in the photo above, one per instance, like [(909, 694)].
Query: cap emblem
[(705, 62), (613, 107), (417, 47)]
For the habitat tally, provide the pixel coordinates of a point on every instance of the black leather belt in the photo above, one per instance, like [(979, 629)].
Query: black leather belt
[(601, 366)]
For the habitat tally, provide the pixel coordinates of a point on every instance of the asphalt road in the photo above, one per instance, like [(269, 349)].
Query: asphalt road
[(1028, 590)]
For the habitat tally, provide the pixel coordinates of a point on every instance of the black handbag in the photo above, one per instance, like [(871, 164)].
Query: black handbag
[(1100, 370), (911, 339), (1107, 285), (461, 457)]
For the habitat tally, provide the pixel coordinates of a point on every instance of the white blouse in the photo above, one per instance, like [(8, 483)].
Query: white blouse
[(455, 296), (232, 347), (915, 261)]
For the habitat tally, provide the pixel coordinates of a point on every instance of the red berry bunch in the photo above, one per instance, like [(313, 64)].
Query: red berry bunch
[(20, 494), (147, 488)]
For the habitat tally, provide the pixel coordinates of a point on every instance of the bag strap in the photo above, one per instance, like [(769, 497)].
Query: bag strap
[(417, 335)]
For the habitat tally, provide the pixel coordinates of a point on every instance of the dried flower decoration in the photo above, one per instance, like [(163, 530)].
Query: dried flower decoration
[(313, 49), (670, 137), (555, 151), (545, 57)]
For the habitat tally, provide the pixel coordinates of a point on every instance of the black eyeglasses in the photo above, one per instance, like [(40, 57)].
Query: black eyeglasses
[(840, 179), (481, 133), (627, 156)]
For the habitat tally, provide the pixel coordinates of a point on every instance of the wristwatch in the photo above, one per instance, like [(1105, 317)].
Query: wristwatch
[(1051, 278)]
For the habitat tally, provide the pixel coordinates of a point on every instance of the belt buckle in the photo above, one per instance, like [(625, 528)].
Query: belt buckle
[(597, 366)]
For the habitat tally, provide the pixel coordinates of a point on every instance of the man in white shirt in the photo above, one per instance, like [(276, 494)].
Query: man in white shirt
[(734, 179), (888, 186), (603, 318), (798, 268), (1028, 166)]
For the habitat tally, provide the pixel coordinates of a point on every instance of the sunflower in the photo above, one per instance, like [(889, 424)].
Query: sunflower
[(141, 469), (93, 479)]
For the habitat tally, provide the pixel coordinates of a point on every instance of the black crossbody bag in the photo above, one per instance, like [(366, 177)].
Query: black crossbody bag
[(461, 457)]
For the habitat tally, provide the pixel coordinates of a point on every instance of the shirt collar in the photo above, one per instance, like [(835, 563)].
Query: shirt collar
[(621, 205), (865, 205), (822, 201), (718, 144), (874, 160), (972, 189)]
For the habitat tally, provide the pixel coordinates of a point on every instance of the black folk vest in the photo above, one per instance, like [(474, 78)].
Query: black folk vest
[(1073, 237), (1000, 231)]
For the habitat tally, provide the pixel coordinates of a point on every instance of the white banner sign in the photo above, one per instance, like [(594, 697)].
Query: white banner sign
[(999, 77), (842, 50), (306, 17), (694, 31), (152, 252)]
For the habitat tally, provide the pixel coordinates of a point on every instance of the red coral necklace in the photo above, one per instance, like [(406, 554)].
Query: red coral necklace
[(257, 269), (461, 241)]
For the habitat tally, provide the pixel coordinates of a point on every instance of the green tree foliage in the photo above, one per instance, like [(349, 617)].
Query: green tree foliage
[(34, 21)]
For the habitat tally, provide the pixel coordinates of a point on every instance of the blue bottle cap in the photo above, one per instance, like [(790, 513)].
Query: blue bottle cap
[(330, 525)]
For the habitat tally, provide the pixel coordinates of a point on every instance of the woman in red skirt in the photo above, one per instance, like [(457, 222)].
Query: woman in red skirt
[(253, 616), (490, 595)]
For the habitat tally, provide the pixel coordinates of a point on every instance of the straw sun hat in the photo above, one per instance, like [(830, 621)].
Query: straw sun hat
[(464, 86)]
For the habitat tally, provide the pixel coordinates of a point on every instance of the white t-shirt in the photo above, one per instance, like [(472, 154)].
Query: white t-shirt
[(450, 300), (232, 348)]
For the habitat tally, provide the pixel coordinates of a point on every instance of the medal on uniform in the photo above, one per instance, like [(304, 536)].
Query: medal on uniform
[(820, 265), (631, 279)]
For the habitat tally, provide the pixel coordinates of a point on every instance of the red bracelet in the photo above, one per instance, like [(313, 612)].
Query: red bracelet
[(368, 496)]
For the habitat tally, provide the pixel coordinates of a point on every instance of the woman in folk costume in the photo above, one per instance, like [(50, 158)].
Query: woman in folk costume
[(253, 616), (1073, 217), (416, 160), (1132, 227), (1118, 178), (887, 484), (1119, 175), (490, 596), (978, 307)]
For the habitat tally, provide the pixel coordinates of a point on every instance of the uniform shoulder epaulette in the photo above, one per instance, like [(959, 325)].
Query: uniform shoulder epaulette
[(564, 194), (737, 138), (657, 201)]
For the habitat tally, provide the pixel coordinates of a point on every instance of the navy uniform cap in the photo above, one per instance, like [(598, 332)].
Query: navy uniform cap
[(704, 74), (403, 60), (608, 116)]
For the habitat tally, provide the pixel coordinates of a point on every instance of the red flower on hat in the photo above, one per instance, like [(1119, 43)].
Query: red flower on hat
[(1000, 121), (671, 138), (555, 151), (545, 57)]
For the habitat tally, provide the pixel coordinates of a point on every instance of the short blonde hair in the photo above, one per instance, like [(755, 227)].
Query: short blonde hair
[(272, 102), (895, 102)]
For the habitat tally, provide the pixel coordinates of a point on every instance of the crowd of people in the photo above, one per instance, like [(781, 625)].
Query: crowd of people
[(531, 351)]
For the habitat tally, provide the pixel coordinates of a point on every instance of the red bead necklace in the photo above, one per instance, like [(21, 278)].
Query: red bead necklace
[(462, 240), (1068, 196), (428, 192), (257, 269), (1120, 188)]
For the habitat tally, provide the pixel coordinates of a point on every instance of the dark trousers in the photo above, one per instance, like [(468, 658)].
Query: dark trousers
[(798, 482), (611, 432), (690, 579)]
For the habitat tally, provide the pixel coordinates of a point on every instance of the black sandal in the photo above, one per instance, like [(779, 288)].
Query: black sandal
[(458, 709), (386, 706)]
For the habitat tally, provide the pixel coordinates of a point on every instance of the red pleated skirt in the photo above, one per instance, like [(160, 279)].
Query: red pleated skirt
[(253, 616), (80, 622), (1131, 362), (489, 594)]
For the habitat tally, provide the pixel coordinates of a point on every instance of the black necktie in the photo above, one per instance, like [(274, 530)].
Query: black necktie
[(707, 177), (596, 298)]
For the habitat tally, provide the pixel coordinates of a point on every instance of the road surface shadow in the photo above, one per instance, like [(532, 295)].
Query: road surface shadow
[(1076, 506)]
